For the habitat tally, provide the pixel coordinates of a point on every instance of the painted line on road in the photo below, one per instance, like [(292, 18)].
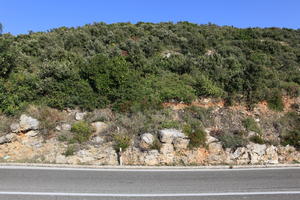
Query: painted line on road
[(148, 195), (142, 169)]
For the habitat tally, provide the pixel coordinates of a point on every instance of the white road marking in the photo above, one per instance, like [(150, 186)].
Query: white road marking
[(141, 169), (148, 195)]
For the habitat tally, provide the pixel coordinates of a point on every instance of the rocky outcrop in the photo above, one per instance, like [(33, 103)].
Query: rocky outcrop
[(26, 123), (168, 135)]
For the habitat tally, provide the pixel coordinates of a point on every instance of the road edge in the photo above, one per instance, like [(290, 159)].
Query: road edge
[(44, 165)]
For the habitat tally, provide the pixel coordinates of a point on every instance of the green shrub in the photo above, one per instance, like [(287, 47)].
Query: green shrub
[(201, 114), (275, 102), (70, 150), (257, 139), (289, 127), (156, 144), (251, 125), (196, 134), (170, 124), (82, 131), (291, 138), (121, 141), (232, 141)]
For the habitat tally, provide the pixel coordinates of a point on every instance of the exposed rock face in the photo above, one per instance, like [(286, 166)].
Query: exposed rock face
[(210, 139), (152, 158), (99, 127), (180, 143), (26, 123), (168, 135)]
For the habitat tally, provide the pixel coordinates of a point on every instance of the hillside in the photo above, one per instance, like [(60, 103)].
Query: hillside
[(135, 67)]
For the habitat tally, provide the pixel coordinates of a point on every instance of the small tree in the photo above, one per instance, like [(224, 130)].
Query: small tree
[(1, 28)]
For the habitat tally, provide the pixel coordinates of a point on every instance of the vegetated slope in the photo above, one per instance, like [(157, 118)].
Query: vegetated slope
[(138, 66)]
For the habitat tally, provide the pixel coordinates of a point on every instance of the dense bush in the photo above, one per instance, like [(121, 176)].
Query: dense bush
[(82, 131), (292, 138), (232, 141), (195, 133), (289, 126), (257, 139), (136, 67)]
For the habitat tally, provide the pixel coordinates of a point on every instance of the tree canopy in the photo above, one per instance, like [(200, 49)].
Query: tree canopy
[(137, 66)]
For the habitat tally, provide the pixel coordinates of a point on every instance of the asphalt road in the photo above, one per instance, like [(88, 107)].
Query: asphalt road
[(165, 184)]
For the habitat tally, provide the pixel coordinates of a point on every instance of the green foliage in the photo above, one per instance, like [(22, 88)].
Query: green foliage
[(121, 141), (275, 101), (70, 150), (195, 133), (82, 131), (232, 141), (156, 144), (292, 138), (136, 67), (289, 126), (257, 139), (251, 125)]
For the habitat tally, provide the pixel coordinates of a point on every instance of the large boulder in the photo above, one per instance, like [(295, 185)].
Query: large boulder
[(147, 140), (26, 123), (168, 135)]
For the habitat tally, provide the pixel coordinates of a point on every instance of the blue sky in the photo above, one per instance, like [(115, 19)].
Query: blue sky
[(21, 16)]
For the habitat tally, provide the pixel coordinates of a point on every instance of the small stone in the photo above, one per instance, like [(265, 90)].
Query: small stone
[(66, 127), (32, 133), (98, 140), (79, 115)]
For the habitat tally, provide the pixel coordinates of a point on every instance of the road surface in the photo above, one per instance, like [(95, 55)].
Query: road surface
[(37, 183)]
